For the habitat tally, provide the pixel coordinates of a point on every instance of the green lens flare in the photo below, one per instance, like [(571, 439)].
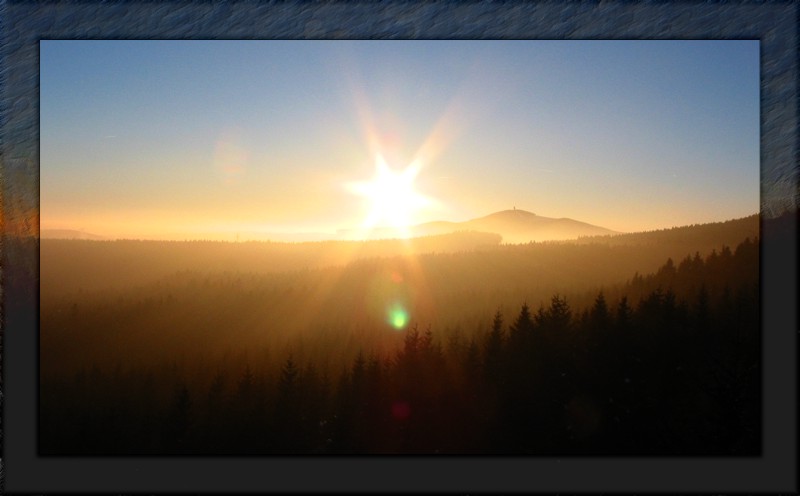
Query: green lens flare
[(398, 317)]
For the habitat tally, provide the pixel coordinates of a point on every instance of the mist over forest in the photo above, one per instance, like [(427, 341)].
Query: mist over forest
[(451, 343)]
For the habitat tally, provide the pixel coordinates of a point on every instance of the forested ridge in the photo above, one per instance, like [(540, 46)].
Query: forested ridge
[(69, 265), (667, 363), (331, 311)]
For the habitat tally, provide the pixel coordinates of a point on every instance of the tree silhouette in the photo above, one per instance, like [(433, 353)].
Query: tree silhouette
[(178, 421), (493, 349)]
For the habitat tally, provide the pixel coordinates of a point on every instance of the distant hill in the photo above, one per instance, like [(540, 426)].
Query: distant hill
[(67, 234), (514, 226), (517, 226)]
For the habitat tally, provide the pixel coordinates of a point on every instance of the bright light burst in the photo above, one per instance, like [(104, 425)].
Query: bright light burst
[(397, 316), (394, 201)]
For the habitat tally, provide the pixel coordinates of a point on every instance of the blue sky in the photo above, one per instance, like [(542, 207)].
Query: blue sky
[(174, 138)]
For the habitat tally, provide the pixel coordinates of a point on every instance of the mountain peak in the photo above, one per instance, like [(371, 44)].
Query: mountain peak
[(520, 226), (513, 213)]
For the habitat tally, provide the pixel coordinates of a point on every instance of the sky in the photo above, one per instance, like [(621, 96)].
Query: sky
[(217, 139)]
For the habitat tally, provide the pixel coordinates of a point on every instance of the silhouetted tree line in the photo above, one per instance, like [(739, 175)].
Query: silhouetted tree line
[(690, 236), (667, 365)]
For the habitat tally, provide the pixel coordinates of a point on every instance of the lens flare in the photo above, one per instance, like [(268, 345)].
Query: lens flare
[(393, 200), (397, 316), (401, 410), (230, 157)]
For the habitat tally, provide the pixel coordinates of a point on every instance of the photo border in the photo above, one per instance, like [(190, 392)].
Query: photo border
[(25, 23)]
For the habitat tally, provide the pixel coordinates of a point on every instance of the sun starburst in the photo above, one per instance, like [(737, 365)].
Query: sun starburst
[(393, 200)]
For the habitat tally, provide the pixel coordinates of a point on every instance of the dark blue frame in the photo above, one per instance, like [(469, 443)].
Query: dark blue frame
[(24, 23)]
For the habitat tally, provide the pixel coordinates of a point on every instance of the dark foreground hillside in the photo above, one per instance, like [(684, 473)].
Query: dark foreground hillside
[(665, 364)]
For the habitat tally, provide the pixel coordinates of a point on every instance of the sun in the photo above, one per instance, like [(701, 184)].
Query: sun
[(393, 200)]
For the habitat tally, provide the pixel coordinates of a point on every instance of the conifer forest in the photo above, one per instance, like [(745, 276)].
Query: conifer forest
[(646, 344)]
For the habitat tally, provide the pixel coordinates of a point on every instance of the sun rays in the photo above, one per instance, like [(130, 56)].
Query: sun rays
[(393, 201)]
